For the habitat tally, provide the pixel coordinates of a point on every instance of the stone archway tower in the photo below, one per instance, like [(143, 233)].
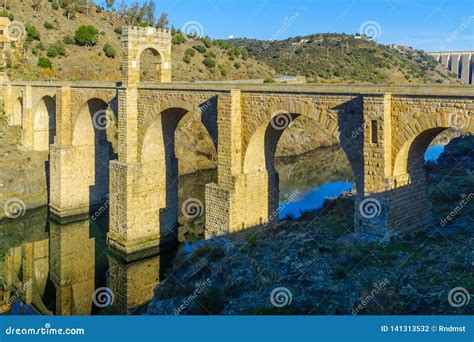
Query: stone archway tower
[(137, 39)]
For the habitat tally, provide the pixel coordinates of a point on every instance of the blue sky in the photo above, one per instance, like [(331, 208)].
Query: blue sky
[(432, 25)]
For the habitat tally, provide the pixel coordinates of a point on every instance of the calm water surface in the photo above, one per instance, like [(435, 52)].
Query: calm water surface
[(68, 263)]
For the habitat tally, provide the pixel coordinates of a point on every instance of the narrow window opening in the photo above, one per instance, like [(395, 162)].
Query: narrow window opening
[(374, 132)]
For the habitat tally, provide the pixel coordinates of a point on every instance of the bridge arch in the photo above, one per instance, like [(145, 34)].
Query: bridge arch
[(17, 114), (258, 167), (411, 155), (415, 137), (91, 143), (157, 183), (44, 123)]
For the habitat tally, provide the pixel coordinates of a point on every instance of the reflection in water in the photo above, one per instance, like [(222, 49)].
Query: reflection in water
[(433, 152), (313, 199), (49, 268), (60, 266)]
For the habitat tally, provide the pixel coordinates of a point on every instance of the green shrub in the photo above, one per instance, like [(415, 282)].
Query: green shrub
[(213, 301), (40, 46), (56, 49), (222, 44), (55, 4), (223, 70), (209, 62), (52, 52), (210, 54), (69, 40), (207, 42), (269, 80), (33, 33), (4, 13), (200, 48), (86, 35), (340, 272), (47, 25), (187, 59), (118, 30), (109, 50), (44, 63), (190, 52), (237, 65), (178, 38)]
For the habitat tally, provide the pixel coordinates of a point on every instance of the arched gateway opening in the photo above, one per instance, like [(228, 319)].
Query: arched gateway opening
[(92, 142), (150, 65)]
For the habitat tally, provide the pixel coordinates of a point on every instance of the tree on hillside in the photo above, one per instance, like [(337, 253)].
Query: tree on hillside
[(163, 21), (109, 3), (70, 10), (149, 15), (37, 4)]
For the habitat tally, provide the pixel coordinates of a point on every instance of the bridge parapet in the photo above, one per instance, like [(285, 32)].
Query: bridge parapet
[(132, 31)]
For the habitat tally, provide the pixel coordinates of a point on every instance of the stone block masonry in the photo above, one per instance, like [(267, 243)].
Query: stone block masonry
[(384, 130)]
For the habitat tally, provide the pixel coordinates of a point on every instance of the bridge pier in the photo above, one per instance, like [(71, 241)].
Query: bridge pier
[(466, 65), (70, 194), (143, 194), (72, 260), (69, 165), (394, 198)]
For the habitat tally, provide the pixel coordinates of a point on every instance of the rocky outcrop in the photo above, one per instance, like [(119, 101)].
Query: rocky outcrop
[(312, 266)]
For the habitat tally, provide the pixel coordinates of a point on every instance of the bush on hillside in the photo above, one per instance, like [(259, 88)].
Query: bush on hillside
[(44, 63), (47, 25), (178, 38), (56, 49), (209, 62), (69, 40), (7, 14), (33, 33), (200, 48), (86, 35), (109, 50)]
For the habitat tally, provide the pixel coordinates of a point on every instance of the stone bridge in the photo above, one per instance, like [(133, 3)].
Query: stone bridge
[(458, 62), (118, 141)]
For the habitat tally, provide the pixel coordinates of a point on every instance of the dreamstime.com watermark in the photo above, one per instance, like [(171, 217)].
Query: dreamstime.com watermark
[(14, 208), (17, 295), (99, 212), (281, 297), (192, 208), (462, 204), (287, 22), (378, 287), (192, 29), (200, 288), (46, 330), (454, 35), (288, 200), (370, 208), (459, 297)]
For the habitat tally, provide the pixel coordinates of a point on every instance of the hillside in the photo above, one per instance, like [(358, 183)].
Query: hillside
[(346, 58), (91, 63)]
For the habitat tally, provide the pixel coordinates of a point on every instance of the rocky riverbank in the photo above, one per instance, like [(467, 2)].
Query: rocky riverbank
[(311, 266)]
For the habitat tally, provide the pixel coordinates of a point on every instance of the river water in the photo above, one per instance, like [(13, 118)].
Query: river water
[(48, 268)]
